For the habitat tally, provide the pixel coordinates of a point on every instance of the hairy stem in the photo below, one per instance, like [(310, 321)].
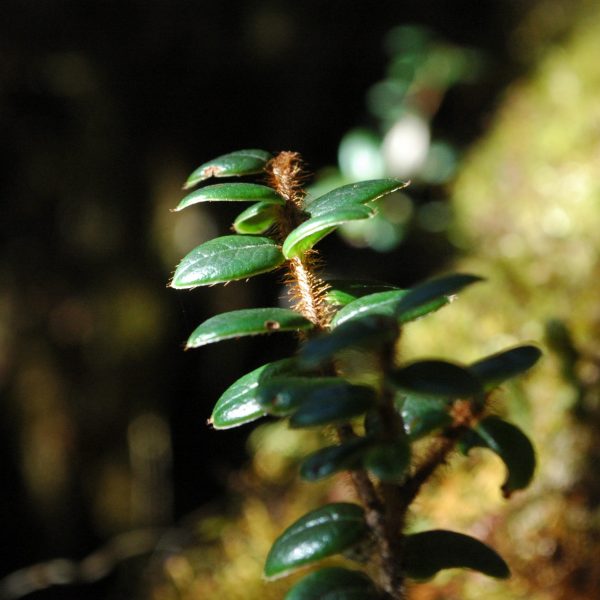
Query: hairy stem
[(285, 174)]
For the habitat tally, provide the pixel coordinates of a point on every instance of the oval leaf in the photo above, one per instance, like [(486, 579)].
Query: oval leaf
[(239, 403), (380, 303), (424, 415), (334, 405), (367, 332), (305, 236), (334, 583), (256, 218), (388, 461), (353, 194), (328, 530), (232, 192), (429, 552), (512, 446), (419, 298), (330, 460), (225, 259), (283, 395), (343, 292), (495, 369), (248, 321), (437, 378), (242, 162)]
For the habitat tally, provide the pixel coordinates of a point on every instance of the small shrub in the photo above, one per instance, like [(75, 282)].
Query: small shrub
[(378, 408)]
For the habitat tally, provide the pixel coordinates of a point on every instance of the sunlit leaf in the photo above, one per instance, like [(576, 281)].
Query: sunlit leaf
[(326, 461), (437, 378), (256, 218), (306, 235), (282, 395), (388, 460), (511, 445), (366, 332), (239, 403), (495, 369), (334, 583), (335, 405), (343, 292), (380, 303), (242, 162), (423, 415), (353, 194), (248, 321), (429, 552), (421, 296), (227, 258), (328, 530), (232, 192)]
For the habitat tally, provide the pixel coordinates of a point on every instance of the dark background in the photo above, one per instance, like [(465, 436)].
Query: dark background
[(105, 107)]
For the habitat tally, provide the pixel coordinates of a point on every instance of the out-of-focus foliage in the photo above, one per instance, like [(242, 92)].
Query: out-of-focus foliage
[(421, 70)]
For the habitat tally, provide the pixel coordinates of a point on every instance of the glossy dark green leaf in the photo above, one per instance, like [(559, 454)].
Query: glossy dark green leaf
[(495, 369), (380, 303), (421, 297), (256, 218), (239, 402), (336, 405), (232, 192), (388, 460), (225, 259), (283, 395), (511, 445), (328, 530), (306, 235), (437, 378), (366, 332), (353, 194), (423, 415), (334, 583), (343, 292), (429, 552), (330, 460), (248, 321), (242, 162)]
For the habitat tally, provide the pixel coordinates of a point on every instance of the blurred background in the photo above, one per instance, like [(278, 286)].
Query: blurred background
[(105, 108)]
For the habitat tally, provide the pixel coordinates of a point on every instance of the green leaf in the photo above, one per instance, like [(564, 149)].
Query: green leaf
[(495, 369), (420, 297), (366, 332), (306, 235), (239, 402), (256, 218), (283, 395), (334, 405), (429, 552), (424, 415), (437, 378), (388, 460), (232, 192), (380, 303), (328, 530), (332, 459), (242, 162), (248, 321), (225, 259), (352, 195), (511, 445), (334, 583), (343, 292)]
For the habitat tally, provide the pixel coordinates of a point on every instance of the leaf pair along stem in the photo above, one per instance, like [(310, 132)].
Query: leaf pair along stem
[(308, 291)]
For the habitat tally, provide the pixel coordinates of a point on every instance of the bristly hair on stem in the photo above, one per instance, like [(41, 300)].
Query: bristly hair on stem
[(286, 175)]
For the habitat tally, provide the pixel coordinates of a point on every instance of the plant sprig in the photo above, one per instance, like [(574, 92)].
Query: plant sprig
[(397, 404)]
